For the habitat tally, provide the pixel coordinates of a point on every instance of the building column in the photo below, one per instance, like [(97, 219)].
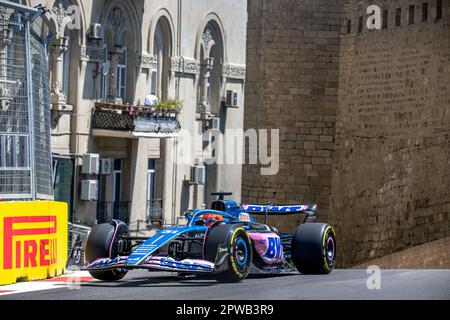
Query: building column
[(168, 184), (80, 119), (58, 49), (138, 180)]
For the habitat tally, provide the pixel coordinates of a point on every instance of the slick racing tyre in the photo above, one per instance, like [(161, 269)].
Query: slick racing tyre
[(102, 242), (238, 245), (314, 248)]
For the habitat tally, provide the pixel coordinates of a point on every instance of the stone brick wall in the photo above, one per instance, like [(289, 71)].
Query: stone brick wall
[(391, 168), (364, 120), (432, 255), (291, 85)]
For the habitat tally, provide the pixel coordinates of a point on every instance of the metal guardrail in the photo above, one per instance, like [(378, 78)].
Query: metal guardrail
[(77, 238), (25, 151)]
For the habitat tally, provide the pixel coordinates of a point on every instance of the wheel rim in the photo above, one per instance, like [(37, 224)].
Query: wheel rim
[(241, 253), (330, 250)]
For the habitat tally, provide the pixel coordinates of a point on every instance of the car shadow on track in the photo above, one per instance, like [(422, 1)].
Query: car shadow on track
[(271, 275), (173, 281)]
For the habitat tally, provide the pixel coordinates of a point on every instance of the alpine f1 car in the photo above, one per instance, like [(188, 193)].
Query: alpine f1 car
[(224, 240)]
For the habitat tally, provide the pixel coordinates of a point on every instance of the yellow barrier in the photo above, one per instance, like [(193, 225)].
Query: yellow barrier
[(33, 240)]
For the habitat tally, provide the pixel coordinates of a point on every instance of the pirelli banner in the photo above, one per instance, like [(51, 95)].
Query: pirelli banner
[(33, 240)]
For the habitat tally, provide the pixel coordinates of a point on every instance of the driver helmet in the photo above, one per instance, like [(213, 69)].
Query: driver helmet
[(210, 218)]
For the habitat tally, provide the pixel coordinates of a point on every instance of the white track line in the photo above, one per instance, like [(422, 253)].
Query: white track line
[(70, 279)]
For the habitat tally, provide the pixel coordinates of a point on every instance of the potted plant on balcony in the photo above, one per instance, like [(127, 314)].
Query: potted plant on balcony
[(169, 108)]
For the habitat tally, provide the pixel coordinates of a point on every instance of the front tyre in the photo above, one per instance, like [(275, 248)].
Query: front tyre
[(102, 242), (236, 241), (314, 248)]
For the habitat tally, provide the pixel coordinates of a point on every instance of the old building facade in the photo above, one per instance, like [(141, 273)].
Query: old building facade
[(364, 116), (106, 57)]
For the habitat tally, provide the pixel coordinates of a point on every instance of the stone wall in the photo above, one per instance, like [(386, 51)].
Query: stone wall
[(431, 255), (391, 169), (291, 85), (364, 119)]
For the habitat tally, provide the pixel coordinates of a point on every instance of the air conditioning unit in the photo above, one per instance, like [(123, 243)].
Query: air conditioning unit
[(106, 166), (231, 99), (215, 123), (95, 31), (89, 190), (91, 163), (198, 175)]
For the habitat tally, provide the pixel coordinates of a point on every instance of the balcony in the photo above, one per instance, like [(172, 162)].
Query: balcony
[(125, 121), (107, 211), (154, 211)]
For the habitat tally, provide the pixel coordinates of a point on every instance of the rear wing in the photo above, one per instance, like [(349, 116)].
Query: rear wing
[(272, 210), (280, 210)]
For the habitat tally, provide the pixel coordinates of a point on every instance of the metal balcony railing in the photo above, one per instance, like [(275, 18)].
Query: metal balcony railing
[(109, 120), (154, 211), (107, 211), (109, 116)]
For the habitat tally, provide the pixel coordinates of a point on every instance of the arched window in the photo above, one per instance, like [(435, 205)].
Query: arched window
[(121, 85), (161, 59), (107, 85), (118, 72), (114, 82), (211, 60), (104, 80), (64, 71)]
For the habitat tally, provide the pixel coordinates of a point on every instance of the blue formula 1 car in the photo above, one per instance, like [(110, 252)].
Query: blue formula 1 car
[(225, 241)]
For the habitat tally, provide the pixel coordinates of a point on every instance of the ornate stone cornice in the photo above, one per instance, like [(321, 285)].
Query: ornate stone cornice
[(234, 71), (176, 64), (146, 61), (185, 65), (191, 66)]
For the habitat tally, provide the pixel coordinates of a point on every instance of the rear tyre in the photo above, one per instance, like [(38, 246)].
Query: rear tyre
[(239, 247), (103, 243), (314, 248)]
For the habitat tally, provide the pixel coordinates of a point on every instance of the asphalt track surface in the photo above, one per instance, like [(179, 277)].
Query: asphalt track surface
[(340, 284)]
